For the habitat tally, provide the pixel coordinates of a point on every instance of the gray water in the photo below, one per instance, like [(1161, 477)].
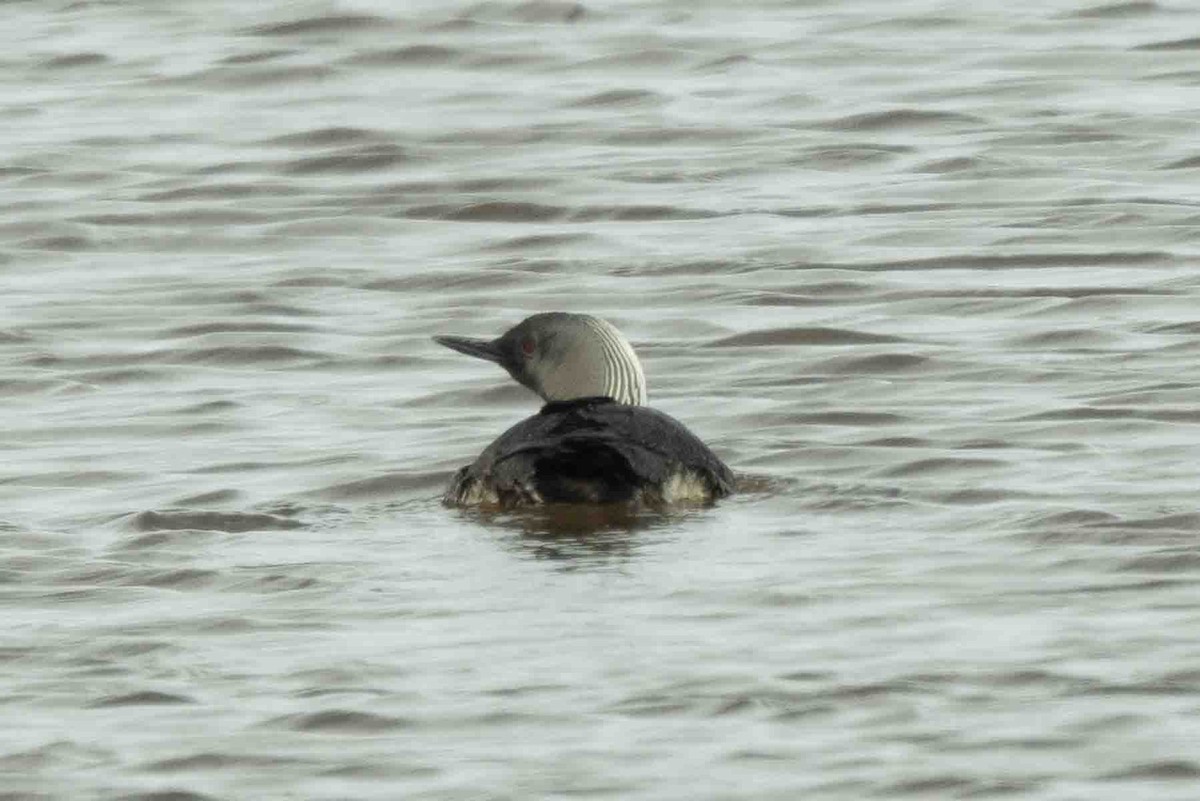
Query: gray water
[(923, 273)]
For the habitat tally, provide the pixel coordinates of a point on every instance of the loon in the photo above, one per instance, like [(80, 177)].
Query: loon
[(595, 440)]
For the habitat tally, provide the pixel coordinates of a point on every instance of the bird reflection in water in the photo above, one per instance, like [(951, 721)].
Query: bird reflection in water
[(582, 534)]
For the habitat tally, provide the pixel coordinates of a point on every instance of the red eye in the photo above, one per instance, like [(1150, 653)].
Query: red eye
[(528, 346)]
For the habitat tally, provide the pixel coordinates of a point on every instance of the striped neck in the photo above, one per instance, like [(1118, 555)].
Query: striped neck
[(624, 381), (592, 359)]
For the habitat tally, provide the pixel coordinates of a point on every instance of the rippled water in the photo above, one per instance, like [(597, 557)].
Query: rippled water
[(923, 273)]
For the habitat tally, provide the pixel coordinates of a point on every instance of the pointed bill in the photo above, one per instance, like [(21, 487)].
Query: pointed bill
[(479, 348)]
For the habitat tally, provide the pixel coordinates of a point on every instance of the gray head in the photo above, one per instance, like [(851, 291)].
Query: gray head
[(563, 356)]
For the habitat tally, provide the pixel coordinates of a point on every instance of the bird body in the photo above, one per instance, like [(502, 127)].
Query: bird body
[(593, 441), (593, 450)]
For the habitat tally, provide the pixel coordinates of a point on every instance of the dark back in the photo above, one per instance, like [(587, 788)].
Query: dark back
[(594, 450)]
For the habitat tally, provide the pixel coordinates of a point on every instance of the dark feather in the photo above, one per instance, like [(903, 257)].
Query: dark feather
[(590, 450)]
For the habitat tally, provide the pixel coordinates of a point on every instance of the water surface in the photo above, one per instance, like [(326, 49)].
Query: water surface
[(924, 274)]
